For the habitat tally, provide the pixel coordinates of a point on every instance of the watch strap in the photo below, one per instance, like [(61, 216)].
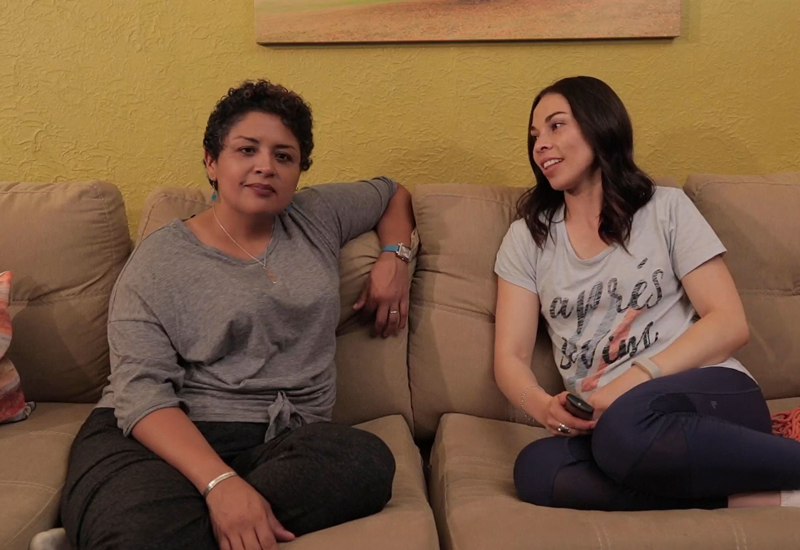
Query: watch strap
[(400, 250)]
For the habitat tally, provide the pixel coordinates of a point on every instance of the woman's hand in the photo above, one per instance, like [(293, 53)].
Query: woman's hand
[(242, 519), (556, 415), (605, 396), (385, 295)]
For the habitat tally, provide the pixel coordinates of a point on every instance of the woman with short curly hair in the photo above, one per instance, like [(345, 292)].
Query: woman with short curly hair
[(214, 430)]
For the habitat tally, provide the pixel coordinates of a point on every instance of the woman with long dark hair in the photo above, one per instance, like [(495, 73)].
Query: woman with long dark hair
[(644, 318)]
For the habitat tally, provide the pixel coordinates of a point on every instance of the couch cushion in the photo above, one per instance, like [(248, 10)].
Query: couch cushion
[(783, 405), (164, 204), (372, 373), (33, 467), (33, 476), (476, 507), (407, 521), (452, 305), (66, 243), (756, 218)]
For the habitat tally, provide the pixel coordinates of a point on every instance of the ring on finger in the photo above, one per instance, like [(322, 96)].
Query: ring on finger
[(563, 429), (393, 312)]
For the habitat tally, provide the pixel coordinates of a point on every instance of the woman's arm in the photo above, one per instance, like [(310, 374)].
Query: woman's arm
[(397, 222), (516, 323), (171, 435), (240, 516), (386, 290), (721, 330)]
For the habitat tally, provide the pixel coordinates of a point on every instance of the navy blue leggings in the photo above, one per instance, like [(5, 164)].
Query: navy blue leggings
[(683, 441)]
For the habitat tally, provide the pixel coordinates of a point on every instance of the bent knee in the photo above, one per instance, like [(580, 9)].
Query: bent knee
[(376, 468), (626, 430), (364, 462), (536, 468)]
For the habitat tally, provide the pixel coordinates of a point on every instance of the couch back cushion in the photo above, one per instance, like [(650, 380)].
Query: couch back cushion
[(372, 373), (756, 219), (451, 343), (66, 244)]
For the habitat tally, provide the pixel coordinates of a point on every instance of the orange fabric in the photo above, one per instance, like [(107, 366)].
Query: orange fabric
[(12, 401), (787, 424)]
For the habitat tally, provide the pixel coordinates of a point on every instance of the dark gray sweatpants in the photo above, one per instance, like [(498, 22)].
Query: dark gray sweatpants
[(121, 495)]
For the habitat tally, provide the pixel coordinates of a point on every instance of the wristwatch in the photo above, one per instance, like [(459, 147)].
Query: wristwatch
[(400, 250)]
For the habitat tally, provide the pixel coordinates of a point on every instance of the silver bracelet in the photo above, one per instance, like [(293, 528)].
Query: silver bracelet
[(213, 483), (522, 401)]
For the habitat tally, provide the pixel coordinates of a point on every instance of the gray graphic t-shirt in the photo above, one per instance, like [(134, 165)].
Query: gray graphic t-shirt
[(603, 312)]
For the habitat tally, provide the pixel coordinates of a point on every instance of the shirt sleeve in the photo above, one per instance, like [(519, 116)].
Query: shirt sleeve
[(145, 374), (516, 259), (692, 242), (346, 210)]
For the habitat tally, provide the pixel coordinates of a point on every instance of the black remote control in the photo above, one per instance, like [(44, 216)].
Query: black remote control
[(578, 407)]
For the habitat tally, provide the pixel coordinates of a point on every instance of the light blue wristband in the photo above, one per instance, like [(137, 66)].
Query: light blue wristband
[(400, 250)]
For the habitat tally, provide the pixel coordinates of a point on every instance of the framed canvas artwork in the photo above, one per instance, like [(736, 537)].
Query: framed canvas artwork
[(343, 21)]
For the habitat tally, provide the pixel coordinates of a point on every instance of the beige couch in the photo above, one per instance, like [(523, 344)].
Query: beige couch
[(67, 243)]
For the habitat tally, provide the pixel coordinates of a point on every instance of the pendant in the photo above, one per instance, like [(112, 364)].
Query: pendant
[(271, 275)]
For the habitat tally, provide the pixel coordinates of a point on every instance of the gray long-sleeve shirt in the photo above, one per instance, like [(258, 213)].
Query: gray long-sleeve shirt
[(190, 326)]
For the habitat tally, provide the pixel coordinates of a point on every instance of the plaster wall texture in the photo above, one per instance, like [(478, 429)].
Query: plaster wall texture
[(121, 90)]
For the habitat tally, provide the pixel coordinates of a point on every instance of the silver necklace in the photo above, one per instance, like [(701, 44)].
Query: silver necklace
[(263, 264)]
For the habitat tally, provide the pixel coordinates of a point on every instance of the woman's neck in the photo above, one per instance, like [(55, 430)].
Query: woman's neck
[(244, 228), (584, 203)]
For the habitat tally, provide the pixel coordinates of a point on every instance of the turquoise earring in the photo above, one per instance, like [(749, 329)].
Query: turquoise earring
[(214, 196)]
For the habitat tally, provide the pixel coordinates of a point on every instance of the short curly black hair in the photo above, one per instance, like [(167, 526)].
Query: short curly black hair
[(266, 97)]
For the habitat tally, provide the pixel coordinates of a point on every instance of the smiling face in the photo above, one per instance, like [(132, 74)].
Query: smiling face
[(560, 150), (258, 167)]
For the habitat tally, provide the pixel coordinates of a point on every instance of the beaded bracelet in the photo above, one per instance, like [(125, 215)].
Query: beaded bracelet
[(522, 401)]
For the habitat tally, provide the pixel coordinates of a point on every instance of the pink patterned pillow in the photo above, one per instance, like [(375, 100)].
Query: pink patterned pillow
[(13, 407)]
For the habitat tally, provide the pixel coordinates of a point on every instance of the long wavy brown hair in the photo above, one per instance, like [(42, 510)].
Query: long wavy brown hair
[(606, 126)]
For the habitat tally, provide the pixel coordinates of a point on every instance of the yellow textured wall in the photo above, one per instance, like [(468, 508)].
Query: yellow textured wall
[(120, 90)]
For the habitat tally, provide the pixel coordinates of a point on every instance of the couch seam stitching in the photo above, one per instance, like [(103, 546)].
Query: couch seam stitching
[(64, 298), (446, 499), (41, 511), (465, 197), (452, 309), (168, 194), (595, 527), (727, 520), (462, 458), (98, 196), (408, 379), (29, 484), (768, 292), (150, 214), (162, 196), (48, 432), (705, 184)]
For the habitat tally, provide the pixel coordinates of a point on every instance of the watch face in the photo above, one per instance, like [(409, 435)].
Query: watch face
[(404, 252)]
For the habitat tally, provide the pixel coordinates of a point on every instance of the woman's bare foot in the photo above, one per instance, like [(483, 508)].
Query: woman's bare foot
[(750, 500)]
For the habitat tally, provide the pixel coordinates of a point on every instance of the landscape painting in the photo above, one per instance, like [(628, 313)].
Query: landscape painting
[(337, 21)]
